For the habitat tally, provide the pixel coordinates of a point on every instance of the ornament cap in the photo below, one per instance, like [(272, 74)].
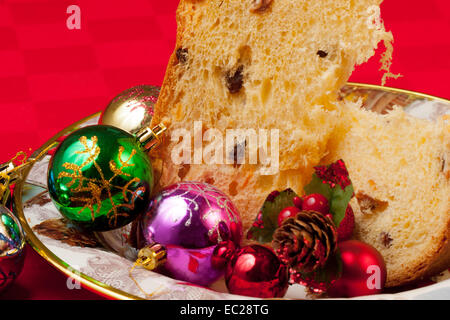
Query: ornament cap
[(152, 256), (6, 179), (150, 138)]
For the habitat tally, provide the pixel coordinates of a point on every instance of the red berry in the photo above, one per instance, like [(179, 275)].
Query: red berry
[(298, 201), (345, 230), (287, 212), (316, 202)]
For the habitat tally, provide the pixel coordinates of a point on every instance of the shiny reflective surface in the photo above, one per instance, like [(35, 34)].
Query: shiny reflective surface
[(132, 109), (191, 265), (100, 178), (222, 254), (191, 215), (12, 244), (256, 271)]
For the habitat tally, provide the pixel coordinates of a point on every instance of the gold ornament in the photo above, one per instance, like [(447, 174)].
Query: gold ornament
[(131, 110)]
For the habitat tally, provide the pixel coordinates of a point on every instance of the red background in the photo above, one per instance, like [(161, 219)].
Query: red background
[(51, 76)]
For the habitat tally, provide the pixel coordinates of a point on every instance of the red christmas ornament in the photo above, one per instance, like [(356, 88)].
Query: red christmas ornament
[(222, 254), (316, 202), (345, 230), (288, 212), (256, 271), (363, 271)]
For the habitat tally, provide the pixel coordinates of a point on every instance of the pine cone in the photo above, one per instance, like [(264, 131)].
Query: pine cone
[(305, 242)]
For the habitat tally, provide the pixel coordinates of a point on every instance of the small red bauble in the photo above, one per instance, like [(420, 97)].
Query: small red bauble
[(345, 230), (316, 202), (222, 254), (288, 212), (298, 202), (363, 271), (256, 271)]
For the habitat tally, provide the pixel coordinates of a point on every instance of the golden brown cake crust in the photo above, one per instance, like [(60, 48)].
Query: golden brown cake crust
[(438, 261)]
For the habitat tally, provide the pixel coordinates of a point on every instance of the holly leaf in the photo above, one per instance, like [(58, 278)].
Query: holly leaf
[(334, 184), (339, 202), (267, 220), (316, 185)]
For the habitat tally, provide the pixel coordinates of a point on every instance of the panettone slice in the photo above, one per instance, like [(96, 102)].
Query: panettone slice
[(399, 166), (261, 64)]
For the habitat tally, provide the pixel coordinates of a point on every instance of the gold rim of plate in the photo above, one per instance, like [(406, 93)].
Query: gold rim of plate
[(89, 282)]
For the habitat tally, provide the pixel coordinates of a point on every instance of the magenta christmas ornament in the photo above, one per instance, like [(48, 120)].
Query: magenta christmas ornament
[(192, 265), (191, 215)]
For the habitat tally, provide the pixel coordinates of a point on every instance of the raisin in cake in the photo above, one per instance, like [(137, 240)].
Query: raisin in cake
[(262, 64), (399, 166)]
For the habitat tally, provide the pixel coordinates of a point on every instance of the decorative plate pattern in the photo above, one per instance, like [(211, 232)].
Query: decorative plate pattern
[(103, 262)]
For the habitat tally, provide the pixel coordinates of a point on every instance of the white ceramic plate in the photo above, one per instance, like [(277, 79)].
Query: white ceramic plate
[(106, 269)]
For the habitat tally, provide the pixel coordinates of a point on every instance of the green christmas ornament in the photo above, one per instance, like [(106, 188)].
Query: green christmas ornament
[(100, 176)]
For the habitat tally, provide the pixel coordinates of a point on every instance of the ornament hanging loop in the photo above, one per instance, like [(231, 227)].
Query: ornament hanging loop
[(150, 257)]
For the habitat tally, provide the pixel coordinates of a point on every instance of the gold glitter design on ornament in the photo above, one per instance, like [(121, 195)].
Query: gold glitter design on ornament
[(95, 187), (206, 192)]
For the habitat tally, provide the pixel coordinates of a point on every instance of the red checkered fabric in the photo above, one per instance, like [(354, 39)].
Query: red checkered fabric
[(52, 76)]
